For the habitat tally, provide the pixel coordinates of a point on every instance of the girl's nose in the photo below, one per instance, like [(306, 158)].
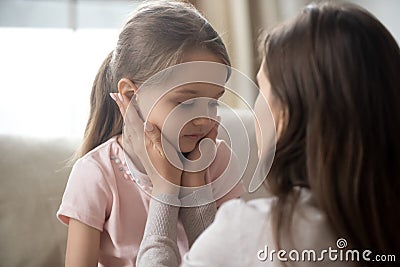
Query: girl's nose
[(201, 121)]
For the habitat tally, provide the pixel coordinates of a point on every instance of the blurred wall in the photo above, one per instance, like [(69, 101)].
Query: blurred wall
[(241, 23)]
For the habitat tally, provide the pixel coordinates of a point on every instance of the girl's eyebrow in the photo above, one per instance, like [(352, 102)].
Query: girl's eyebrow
[(195, 92), (187, 91)]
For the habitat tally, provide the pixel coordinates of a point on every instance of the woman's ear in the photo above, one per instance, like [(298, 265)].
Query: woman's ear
[(127, 88)]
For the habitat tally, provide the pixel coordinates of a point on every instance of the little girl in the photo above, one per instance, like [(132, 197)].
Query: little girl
[(103, 206)]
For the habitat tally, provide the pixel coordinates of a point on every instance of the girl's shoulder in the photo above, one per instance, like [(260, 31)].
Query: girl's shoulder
[(102, 156), (109, 147)]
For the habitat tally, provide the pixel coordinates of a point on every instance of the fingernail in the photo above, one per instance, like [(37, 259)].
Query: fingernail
[(120, 97), (148, 126), (113, 96)]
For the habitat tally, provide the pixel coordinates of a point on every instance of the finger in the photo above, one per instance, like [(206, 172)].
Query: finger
[(154, 135), (124, 103), (130, 113), (213, 133), (133, 114), (136, 106)]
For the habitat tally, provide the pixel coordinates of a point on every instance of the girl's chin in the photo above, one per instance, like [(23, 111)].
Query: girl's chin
[(187, 148)]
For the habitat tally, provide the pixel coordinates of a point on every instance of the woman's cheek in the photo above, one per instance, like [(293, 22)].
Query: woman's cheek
[(258, 113)]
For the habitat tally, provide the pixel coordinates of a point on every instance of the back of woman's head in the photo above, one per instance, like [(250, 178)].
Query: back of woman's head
[(335, 70), (155, 37)]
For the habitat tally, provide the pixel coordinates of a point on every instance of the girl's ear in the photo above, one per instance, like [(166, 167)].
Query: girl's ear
[(127, 88)]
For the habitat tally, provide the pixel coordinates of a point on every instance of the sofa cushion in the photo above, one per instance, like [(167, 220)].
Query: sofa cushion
[(33, 177)]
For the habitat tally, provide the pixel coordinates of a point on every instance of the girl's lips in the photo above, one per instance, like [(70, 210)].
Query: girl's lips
[(193, 136)]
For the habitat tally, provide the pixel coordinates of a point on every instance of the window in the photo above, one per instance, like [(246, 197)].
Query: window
[(50, 52)]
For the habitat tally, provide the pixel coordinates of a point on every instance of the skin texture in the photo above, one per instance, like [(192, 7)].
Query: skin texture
[(83, 245)]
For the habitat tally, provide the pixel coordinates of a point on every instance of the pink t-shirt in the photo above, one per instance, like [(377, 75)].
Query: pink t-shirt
[(102, 194)]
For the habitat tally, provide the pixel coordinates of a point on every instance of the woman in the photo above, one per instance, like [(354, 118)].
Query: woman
[(332, 79)]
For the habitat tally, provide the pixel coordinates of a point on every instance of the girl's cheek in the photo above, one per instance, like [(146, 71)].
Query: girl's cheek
[(214, 113), (159, 113)]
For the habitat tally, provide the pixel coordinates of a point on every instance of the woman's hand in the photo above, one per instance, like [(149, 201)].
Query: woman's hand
[(196, 179), (144, 140)]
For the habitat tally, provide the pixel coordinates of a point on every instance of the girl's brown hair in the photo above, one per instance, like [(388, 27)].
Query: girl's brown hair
[(154, 38), (336, 71)]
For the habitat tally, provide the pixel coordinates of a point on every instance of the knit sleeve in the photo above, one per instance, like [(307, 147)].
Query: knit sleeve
[(159, 245), (196, 218)]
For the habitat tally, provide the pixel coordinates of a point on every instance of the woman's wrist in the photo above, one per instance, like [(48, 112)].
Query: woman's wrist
[(193, 179), (165, 190), (170, 186)]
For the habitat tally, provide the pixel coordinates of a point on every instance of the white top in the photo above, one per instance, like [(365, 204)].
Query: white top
[(241, 235)]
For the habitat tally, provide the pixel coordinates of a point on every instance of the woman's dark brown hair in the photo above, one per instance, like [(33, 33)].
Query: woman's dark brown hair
[(155, 37), (335, 69)]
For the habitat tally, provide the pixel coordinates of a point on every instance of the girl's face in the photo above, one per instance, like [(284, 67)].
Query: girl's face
[(185, 114), (261, 107)]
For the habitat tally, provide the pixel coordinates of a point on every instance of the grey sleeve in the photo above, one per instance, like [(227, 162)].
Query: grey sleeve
[(159, 246), (196, 216)]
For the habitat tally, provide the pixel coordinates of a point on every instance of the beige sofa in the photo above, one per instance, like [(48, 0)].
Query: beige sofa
[(33, 174)]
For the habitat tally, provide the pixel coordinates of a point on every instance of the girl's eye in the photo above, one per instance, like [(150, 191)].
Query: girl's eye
[(190, 103), (186, 103)]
